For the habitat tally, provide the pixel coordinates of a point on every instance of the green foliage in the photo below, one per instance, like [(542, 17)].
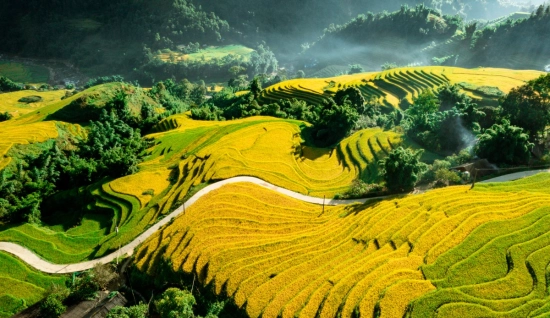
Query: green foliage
[(52, 307), (355, 69), (5, 116), (388, 66), (528, 106), (401, 169), (332, 122), (504, 143), (137, 311), (255, 88), (7, 85), (30, 99), (176, 303), (354, 96), (103, 80), (442, 130), (83, 287), (361, 189)]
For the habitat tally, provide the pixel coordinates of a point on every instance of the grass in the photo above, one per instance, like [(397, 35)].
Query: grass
[(398, 87), (24, 73), (20, 286), (453, 250), (209, 53)]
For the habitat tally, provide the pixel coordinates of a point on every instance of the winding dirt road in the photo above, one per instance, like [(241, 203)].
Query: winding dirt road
[(38, 263)]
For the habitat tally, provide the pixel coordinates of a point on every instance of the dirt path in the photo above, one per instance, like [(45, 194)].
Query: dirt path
[(38, 263)]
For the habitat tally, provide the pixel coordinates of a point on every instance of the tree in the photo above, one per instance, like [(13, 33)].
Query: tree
[(256, 88), (528, 106), (52, 307), (355, 97), (401, 169), (176, 303), (300, 74), (334, 122), (355, 68), (504, 143)]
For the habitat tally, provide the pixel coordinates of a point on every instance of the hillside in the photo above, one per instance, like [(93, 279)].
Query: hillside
[(429, 38), (448, 251), (396, 88), (84, 173)]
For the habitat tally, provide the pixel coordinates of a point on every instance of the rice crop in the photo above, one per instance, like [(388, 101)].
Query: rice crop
[(453, 250)]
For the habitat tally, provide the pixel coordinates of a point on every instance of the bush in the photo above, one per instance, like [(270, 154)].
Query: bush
[(137, 311), (103, 274), (52, 307), (361, 189), (5, 116), (30, 99)]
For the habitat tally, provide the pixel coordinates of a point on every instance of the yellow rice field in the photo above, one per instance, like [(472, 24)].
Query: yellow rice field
[(397, 87), (279, 257), (9, 102)]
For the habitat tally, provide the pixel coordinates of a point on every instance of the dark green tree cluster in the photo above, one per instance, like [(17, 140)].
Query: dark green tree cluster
[(504, 143), (528, 106), (401, 169), (445, 121), (175, 302), (7, 85), (414, 25), (112, 149), (5, 116), (524, 115)]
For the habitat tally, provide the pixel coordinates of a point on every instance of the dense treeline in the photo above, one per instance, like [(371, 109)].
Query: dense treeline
[(514, 43), (413, 25), (286, 25), (104, 36)]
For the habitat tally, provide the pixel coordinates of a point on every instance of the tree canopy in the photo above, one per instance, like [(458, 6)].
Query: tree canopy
[(401, 169), (504, 143)]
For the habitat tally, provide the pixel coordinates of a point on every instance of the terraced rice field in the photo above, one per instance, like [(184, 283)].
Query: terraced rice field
[(450, 252), (24, 73), (397, 87), (191, 153), (21, 287), (23, 134), (10, 102)]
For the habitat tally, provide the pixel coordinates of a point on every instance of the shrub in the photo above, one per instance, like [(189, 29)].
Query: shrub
[(137, 311), (52, 307), (103, 274), (5, 116), (30, 99), (175, 302), (360, 189)]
